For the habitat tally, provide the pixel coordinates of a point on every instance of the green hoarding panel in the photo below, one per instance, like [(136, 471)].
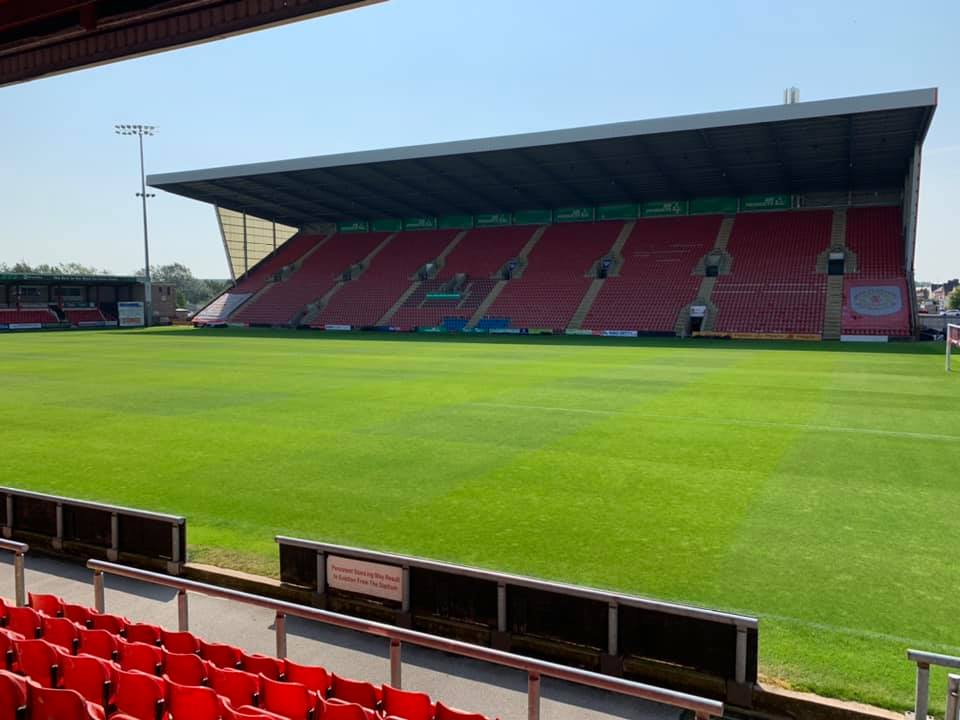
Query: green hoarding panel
[(573, 214), (532, 217), (702, 206), (660, 208), (492, 219), (387, 225), (353, 226), (419, 223), (626, 211), (455, 222), (765, 202)]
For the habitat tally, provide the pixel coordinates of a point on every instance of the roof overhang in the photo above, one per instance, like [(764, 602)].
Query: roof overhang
[(847, 144)]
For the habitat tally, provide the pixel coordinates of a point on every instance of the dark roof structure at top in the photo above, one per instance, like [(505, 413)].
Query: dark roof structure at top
[(863, 143)]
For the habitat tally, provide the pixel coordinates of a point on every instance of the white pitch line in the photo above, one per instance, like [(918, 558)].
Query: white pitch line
[(728, 421)]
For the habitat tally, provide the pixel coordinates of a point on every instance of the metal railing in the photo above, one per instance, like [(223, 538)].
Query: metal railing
[(703, 708), (923, 661), (18, 549)]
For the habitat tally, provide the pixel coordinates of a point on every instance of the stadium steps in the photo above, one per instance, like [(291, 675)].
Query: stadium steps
[(489, 300), (365, 263), (723, 234), (297, 264), (385, 320), (442, 257), (703, 298), (718, 253), (833, 314), (615, 253), (586, 303), (250, 301), (314, 308), (524, 252)]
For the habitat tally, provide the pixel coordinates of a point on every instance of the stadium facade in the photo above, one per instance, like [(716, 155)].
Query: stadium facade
[(794, 220)]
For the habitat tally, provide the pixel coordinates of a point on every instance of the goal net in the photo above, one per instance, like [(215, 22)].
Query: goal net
[(953, 341)]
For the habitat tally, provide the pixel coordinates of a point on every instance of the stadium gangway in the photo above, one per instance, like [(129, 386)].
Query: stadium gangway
[(924, 660), (703, 708), (18, 549)]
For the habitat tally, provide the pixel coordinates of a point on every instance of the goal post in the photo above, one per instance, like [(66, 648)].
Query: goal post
[(953, 341)]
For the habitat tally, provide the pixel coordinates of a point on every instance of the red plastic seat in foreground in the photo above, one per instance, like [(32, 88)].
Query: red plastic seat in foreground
[(182, 642), (239, 687), (61, 632), (142, 657), (80, 614), (247, 712), (23, 620), (449, 713), (113, 624), (271, 667), (50, 704), (192, 703), (38, 660), (314, 677), (140, 695), (47, 604), (13, 696), (290, 699), (7, 654), (144, 633), (220, 654), (184, 669), (90, 676), (355, 691), (340, 710), (406, 704), (99, 643)]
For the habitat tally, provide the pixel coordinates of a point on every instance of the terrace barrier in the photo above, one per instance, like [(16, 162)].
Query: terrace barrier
[(65, 526), (923, 662), (702, 708), (697, 649)]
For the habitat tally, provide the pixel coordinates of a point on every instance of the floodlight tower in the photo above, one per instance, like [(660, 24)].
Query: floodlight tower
[(140, 131)]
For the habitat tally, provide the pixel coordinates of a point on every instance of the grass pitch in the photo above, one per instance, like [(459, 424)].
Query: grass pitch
[(814, 486)]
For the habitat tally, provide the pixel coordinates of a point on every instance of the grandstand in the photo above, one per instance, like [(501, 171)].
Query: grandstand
[(791, 221)]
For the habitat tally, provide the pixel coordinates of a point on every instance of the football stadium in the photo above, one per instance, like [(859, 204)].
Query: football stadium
[(626, 420)]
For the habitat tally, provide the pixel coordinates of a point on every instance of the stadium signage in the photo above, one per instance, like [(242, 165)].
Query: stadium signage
[(353, 226), (573, 214), (703, 206), (130, 314), (618, 212), (456, 222), (620, 333), (765, 202), (337, 326), (532, 217), (365, 578), (492, 219), (35, 277), (420, 223), (661, 208), (24, 326), (387, 225)]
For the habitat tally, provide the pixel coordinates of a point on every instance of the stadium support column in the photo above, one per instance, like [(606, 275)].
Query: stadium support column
[(911, 208)]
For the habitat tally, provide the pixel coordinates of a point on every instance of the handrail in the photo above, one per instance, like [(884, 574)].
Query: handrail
[(18, 549), (924, 660), (953, 697), (703, 708)]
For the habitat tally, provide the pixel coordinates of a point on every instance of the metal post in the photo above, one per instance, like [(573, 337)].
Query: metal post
[(612, 629), (321, 572), (175, 542), (98, 590), (246, 257), (396, 664), (953, 697), (533, 696), (281, 627), (740, 670), (183, 610), (114, 537), (502, 607), (8, 529), (147, 287), (20, 589), (405, 606), (60, 522), (923, 691)]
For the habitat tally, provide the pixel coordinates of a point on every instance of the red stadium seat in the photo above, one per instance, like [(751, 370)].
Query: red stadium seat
[(37, 659), (449, 713), (192, 703), (80, 614), (142, 657), (220, 654), (271, 667), (7, 654), (23, 620), (51, 704), (239, 687), (406, 704), (181, 642), (292, 700), (100, 643), (47, 604), (113, 624), (143, 633), (13, 696), (62, 632), (314, 677), (90, 676), (334, 709), (184, 669), (140, 695), (248, 712), (354, 691)]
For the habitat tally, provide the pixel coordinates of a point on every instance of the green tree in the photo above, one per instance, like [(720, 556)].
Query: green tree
[(192, 292), (953, 299)]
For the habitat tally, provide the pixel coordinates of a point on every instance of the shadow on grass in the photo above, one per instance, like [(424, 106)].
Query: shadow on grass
[(899, 347)]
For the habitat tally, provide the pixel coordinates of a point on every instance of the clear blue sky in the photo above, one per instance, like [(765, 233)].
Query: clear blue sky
[(415, 71)]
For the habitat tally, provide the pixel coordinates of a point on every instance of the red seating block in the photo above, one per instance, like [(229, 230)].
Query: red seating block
[(47, 604), (184, 668), (290, 699), (140, 695), (38, 660), (181, 642), (13, 696), (448, 713), (90, 676), (314, 677), (354, 691), (142, 657), (261, 665), (239, 687), (53, 704), (406, 704), (193, 703), (99, 643)]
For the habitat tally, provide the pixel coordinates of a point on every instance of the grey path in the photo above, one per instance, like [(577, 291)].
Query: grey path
[(481, 687)]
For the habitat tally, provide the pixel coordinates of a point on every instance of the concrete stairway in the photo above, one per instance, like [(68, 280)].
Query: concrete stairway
[(584, 307), (833, 311), (705, 292), (615, 252), (833, 314), (485, 305), (310, 312), (438, 262), (521, 257)]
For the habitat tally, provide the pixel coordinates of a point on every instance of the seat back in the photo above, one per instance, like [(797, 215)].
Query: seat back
[(339, 710), (23, 620), (113, 624), (142, 657), (314, 677), (290, 699), (47, 604), (99, 643), (37, 659), (140, 695), (448, 713), (53, 704), (261, 665), (239, 687), (184, 669), (62, 632), (143, 633), (13, 696), (90, 676), (354, 691), (182, 642), (406, 704), (193, 703), (220, 654), (80, 614)]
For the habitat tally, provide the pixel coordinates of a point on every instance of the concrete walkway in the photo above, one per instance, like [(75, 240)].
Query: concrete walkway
[(475, 686)]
